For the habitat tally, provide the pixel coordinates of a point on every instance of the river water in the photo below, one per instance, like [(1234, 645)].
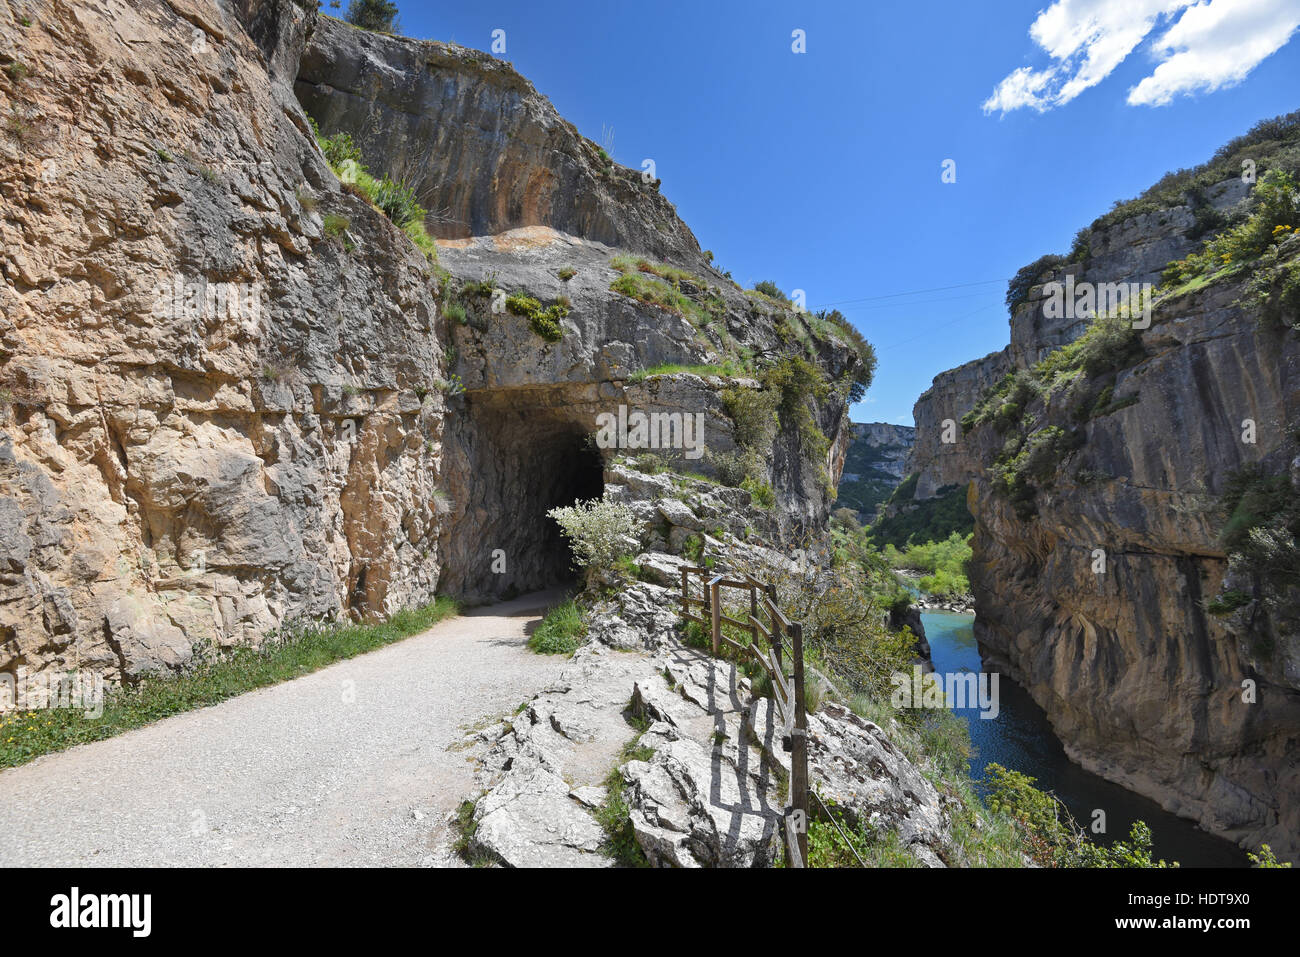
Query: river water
[(1021, 738)]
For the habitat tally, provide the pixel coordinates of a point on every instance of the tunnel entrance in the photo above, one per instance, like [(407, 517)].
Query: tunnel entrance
[(570, 469), (509, 457)]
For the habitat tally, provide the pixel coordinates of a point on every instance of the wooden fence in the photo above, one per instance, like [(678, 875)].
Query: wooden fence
[(769, 629)]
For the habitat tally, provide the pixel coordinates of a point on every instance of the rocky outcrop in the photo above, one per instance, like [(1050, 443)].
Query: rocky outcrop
[(882, 446), (940, 464), (210, 416), (1135, 250), (485, 151), (874, 465), (707, 781)]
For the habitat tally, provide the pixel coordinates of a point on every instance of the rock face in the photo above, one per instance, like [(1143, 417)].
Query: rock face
[(884, 446), (939, 464), (220, 415), (876, 462), (487, 152), (1141, 683), (210, 421)]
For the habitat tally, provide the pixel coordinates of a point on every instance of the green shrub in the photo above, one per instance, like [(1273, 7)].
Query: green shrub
[(397, 201), (732, 468), (615, 819), (598, 530), (567, 273), (1228, 602), (864, 370), (945, 563), (1028, 276), (379, 16), (754, 412), (543, 321), (761, 492), (1261, 533), (772, 291), (339, 149), (561, 632), (627, 567), (336, 225), (1274, 291), (455, 311), (1051, 836), (1266, 858)]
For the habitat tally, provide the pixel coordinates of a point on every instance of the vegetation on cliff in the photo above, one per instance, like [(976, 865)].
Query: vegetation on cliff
[(1261, 533), (394, 198), (1269, 144), (1050, 835), (1273, 219), (1079, 378), (379, 16)]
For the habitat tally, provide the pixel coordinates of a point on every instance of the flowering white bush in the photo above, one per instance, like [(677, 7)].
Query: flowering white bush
[(600, 531)]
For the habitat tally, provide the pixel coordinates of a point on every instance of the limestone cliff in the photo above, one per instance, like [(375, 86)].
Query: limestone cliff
[(231, 390), (940, 464), (1099, 552)]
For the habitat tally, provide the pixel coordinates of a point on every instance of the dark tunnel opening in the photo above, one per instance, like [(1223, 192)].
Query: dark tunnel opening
[(571, 470), (511, 459)]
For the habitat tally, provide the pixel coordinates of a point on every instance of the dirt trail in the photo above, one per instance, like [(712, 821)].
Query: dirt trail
[(348, 765)]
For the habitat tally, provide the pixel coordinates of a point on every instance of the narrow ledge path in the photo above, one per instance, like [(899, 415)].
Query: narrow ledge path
[(359, 763)]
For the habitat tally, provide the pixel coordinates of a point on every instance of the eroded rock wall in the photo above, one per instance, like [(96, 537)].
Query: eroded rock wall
[(485, 150), (178, 466)]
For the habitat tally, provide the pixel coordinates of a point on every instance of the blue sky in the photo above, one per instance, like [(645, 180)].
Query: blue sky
[(822, 170)]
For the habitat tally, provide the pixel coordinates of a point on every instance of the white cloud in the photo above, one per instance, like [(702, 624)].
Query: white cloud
[(1216, 44), (1209, 44)]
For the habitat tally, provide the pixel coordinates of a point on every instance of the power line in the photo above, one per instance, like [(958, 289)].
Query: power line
[(941, 326), (918, 302), (915, 292)]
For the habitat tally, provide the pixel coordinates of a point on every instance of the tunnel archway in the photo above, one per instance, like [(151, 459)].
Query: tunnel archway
[(510, 456)]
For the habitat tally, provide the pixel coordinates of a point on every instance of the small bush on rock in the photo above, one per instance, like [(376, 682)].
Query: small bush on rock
[(600, 532)]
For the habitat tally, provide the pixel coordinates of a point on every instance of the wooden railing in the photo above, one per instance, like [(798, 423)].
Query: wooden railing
[(768, 628)]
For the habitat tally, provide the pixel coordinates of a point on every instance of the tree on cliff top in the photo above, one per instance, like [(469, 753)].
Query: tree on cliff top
[(377, 15)]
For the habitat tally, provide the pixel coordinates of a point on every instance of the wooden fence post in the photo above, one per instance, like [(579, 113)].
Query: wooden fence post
[(799, 756), (715, 603)]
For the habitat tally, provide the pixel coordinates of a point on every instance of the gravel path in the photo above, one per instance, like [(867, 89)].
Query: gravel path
[(356, 764)]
